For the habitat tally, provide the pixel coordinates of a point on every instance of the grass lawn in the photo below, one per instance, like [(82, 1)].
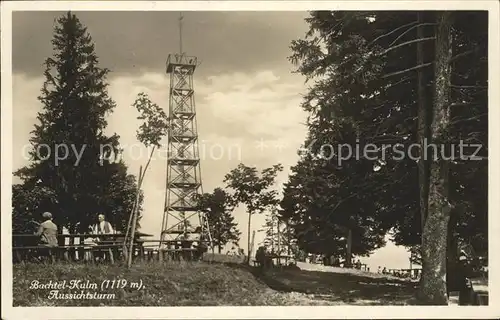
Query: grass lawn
[(203, 284)]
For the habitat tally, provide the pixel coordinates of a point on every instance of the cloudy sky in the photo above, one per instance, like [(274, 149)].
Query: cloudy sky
[(247, 97)]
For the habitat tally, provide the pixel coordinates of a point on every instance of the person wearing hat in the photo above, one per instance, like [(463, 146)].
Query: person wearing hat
[(47, 231)]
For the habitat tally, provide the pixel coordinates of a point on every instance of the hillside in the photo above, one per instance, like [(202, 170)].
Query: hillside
[(198, 284)]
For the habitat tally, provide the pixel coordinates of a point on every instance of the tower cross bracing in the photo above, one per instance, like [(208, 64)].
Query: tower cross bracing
[(182, 219), (183, 165)]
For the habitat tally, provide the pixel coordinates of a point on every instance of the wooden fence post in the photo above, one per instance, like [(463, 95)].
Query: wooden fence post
[(134, 220)]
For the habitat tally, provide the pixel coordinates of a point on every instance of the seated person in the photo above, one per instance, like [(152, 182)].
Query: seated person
[(47, 231), (88, 244)]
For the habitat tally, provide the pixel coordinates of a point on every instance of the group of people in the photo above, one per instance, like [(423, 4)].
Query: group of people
[(406, 274), (333, 261), (48, 231)]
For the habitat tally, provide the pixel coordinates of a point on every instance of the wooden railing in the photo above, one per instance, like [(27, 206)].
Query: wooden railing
[(26, 246)]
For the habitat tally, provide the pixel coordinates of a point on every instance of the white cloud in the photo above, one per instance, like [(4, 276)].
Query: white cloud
[(25, 107)]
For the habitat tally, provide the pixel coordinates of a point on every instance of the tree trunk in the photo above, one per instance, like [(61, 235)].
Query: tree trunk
[(219, 248), (272, 233), (249, 252), (289, 239), (453, 280), (424, 76), (433, 284), (348, 257), (135, 212), (279, 242)]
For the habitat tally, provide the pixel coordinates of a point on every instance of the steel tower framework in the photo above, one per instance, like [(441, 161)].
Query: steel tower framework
[(181, 217)]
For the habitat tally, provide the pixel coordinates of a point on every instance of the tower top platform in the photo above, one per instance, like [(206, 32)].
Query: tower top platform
[(181, 60)]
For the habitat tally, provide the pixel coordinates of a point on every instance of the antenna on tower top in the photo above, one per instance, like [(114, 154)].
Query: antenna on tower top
[(180, 32)]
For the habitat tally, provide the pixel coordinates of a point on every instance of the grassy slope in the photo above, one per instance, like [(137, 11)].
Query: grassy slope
[(201, 283)]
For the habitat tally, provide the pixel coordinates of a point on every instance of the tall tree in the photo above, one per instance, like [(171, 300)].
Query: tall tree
[(435, 233), (218, 207), (373, 79), (270, 229), (72, 158), (150, 133), (252, 189)]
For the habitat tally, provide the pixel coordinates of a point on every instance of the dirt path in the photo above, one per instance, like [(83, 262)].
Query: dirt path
[(320, 285), (322, 268)]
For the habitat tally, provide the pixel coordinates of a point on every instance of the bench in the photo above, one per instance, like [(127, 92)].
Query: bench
[(479, 288), (53, 251), (110, 243)]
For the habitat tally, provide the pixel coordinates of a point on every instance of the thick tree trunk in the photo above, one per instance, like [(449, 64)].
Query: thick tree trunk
[(433, 285), (424, 75), (348, 257)]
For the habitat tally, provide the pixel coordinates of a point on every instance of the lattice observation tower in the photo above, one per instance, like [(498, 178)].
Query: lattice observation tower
[(183, 224)]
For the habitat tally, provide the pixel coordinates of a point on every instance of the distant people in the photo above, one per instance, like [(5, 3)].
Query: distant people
[(47, 231), (358, 264), (378, 269), (336, 262), (260, 256), (384, 271), (201, 248)]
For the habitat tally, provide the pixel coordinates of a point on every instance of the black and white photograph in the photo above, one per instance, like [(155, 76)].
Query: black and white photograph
[(205, 155)]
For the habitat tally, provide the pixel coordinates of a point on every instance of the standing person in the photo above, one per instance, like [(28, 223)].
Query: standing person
[(102, 227), (358, 264), (48, 233)]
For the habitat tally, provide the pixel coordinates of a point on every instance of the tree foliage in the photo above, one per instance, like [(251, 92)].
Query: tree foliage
[(218, 207), (71, 159), (155, 121), (278, 236), (253, 189), (365, 72)]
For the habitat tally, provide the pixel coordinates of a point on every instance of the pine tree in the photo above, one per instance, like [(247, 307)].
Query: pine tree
[(72, 158), (277, 233), (270, 228)]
